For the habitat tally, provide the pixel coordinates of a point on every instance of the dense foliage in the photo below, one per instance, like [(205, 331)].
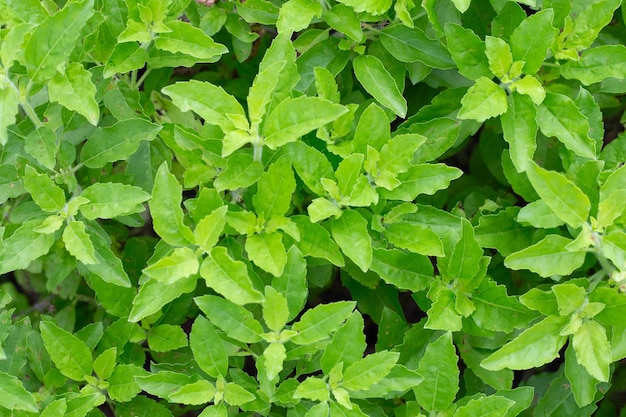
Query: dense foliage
[(312, 208)]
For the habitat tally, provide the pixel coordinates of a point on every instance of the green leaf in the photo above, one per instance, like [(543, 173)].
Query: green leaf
[(296, 15), (496, 310), (208, 230), (343, 19), (166, 337), (559, 116), (531, 87), (483, 100), (593, 350), (292, 284), (45, 193), (163, 383), (209, 101), (414, 237), (153, 295), (126, 57), (547, 257), (588, 22), (439, 368), (274, 190), (468, 52), (178, 264), (78, 243), (275, 355), (108, 267), (261, 91), (347, 345), (122, 385), (317, 323), (167, 215), (74, 90), (70, 354), (104, 364), (375, 7), (9, 101), (14, 396), (499, 55), (396, 155), (208, 348), (491, 406), (55, 408), (372, 130), (236, 395), (42, 145), (275, 309), (559, 399), (295, 117), (43, 53), (442, 314), (411, 44), (117, 142), (501, 231), (108, 200), (565, 199), (464, 262), (189, 40), (196, 393), (406, 271), (531, 40), (534, 347), (348, 174), (350, 233), (377, 81), (312, 388), (310, 164), (267, 251), (322, 208), (422, 179), (614, 247), (373, 368), (583, 384), (241, 172), (597, 64), (233, 319), (538, 214), (569, 297), (519, 128), (24, 246), (229, 277)]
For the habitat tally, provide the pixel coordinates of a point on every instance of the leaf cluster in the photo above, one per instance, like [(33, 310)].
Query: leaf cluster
[(312, 208)]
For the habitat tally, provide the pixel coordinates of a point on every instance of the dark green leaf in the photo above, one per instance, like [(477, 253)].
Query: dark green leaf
[(44, 53), (117, 142), (411, 44), (377, 81), (468, 51), (167, 215), (233, 319), (438, 366), (70, 354)]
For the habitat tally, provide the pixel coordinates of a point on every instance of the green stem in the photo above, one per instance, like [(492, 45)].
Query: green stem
[(28, 109), (257, 152), (142, 78)]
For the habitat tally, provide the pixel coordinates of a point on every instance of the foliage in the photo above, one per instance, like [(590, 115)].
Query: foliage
[(312, 208)]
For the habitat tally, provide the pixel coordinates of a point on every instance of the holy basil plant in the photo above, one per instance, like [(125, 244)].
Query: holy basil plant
[(312, 208)]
